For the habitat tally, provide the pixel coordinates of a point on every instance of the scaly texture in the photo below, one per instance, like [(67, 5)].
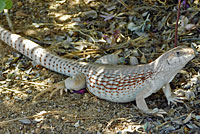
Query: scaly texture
[(117, 83)]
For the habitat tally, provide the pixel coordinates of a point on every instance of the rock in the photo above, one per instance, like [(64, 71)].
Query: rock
[(133, 61), (90, 14), (25, 121)]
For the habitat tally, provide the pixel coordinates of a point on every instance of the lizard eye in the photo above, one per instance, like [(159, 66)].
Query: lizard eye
[(178, 53)]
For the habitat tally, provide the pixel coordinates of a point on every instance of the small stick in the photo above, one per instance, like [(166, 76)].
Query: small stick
[(9, 20), (124, 4), (176, 27)]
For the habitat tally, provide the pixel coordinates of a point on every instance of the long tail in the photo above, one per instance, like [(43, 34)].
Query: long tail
[(38, 54)]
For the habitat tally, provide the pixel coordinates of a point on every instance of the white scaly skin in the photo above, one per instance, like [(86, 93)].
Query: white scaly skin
[(117, 83)]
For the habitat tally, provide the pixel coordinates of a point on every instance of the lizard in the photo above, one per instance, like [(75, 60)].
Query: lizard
[(116, 83)]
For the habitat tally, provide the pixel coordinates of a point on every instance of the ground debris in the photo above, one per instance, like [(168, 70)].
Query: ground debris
[(86, 30)]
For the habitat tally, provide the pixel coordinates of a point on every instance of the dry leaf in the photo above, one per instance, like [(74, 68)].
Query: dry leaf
[(189, 117), (20, 13)]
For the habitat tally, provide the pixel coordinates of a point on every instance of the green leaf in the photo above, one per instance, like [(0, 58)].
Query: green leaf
[(5, 4), (3, 0), (8, 4), (2, 5)]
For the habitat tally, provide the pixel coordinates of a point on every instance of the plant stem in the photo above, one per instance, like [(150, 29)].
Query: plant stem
[(176, 27)]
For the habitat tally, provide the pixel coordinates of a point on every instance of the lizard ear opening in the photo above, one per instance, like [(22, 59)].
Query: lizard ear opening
[(168, 62)]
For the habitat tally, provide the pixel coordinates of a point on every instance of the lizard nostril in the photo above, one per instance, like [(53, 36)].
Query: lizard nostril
[(191, 51)]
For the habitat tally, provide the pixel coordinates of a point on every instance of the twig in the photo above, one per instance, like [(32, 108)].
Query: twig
[(124, 4), (15, 91), (191, 39), (176, 27), (9, 20), (44, 113), (167, 122), (30, 117)]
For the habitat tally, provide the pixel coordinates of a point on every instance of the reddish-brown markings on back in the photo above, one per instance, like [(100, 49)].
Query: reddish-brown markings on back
[(130, 81)]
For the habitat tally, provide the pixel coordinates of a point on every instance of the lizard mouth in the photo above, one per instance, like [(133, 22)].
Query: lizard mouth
[(191, 51)]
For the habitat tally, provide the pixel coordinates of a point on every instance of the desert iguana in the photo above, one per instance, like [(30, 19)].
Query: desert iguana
[(116, 83)]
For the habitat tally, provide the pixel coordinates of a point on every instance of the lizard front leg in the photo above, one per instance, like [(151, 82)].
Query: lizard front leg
[(142, 105), (171, 97), (140, 102)]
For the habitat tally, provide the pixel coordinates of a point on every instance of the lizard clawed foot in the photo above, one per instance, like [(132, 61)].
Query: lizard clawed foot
[(171, 97), (174, 99), (142, 105), (156, 112), (54, 88), (75, 82)]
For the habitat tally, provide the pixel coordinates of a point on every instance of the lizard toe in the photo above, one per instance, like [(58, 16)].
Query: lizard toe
[(156, 112), (174, 99), (54, 88)]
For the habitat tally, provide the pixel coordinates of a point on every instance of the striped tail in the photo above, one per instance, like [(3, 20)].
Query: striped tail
[(38, 54)]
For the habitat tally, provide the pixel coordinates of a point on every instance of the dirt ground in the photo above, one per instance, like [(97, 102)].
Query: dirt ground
[(49, 22)]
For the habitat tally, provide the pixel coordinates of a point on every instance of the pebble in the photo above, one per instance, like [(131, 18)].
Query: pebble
[(25, 121), (194, 80), (17, 98), (29, 91), (25, 78), (135, 53), (98, 110), (189, 94), (90, 14), (17, 78), (77, 124), (187, 86), (22, 84), (133, 61)]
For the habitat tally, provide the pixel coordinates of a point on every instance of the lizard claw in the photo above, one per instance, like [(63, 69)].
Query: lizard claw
[(174, 99), (55, 87), (156, 112), (171, 97)]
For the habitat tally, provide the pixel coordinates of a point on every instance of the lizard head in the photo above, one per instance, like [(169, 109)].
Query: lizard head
[(176, 58)]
